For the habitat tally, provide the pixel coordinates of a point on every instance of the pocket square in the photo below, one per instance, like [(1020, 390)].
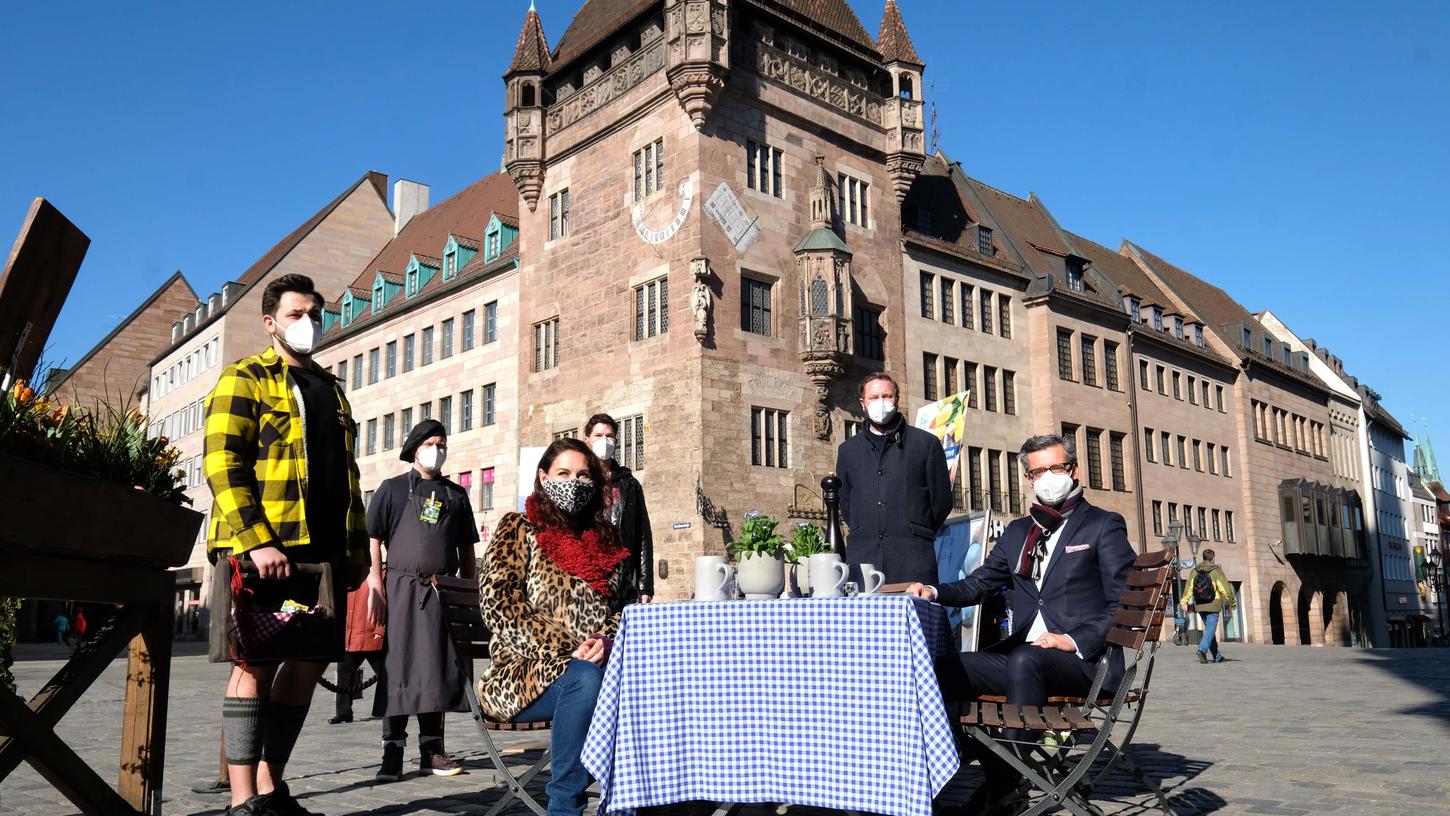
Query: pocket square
[(1072, 548)]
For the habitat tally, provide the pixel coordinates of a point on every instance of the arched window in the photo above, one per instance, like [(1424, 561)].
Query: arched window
[(527, 95), (907, 90), (820, 298)]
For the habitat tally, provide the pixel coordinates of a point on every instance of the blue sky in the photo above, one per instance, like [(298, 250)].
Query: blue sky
[(1291, 152)]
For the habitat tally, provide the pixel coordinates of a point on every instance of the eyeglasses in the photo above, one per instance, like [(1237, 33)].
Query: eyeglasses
[(1062, 469)]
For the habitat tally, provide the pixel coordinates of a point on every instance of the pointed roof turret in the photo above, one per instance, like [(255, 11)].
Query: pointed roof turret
[(531, 54), (893, 42), (822, 234)]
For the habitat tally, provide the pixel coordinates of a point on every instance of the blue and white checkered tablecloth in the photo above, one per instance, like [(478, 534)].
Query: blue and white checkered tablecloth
[(829, 702)]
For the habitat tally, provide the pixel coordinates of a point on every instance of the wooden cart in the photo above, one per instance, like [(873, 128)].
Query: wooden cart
[(67, 537)]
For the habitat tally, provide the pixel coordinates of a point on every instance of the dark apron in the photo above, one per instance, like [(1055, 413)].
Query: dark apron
[(419, 673)]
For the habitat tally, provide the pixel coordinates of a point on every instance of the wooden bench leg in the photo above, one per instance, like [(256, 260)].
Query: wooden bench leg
[(143, 737)]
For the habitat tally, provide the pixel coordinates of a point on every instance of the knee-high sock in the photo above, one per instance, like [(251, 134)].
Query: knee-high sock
[(284, 723), (243, 729)]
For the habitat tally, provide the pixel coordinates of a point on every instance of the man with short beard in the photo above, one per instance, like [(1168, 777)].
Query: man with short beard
[(280, 443), (895, 491)]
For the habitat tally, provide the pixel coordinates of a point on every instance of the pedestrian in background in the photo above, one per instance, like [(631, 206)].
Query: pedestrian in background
[(1212, 595)]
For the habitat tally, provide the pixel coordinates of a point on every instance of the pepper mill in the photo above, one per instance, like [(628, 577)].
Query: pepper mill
[(831, 496)]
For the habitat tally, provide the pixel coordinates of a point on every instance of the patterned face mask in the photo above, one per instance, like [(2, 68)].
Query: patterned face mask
[(569, 495)]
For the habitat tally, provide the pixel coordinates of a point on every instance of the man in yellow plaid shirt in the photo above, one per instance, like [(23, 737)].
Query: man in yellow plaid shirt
[(280, 443)]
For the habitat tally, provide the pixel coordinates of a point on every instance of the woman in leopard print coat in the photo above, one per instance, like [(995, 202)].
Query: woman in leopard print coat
[(555, 580)]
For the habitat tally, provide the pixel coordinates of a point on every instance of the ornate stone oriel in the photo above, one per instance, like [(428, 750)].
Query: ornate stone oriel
[(524, 111), (697, 39), (823, 269)]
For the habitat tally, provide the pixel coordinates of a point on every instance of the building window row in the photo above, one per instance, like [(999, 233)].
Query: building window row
[(181, 422), (942, 376), (763, 168), (1208, 523), (1186, 453), (853, 194), (1090, 444), (487, 398), (1288, 430), (1184, 386), (383, 361), (186, 369), (1002, 489), (963, 304), (1087, 363), (769, 437), (1187, 330)]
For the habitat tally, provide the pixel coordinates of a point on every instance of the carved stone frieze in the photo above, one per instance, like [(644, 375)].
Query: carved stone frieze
[(608, 87), (797, 72)]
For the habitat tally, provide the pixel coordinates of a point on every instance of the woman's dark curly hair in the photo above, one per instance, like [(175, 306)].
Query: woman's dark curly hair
[(596, 514)]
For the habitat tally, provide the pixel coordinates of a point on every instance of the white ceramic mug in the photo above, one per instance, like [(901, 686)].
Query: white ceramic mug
[(872, 579), (828, 574), (712, 576)]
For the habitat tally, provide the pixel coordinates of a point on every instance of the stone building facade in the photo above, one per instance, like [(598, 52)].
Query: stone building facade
[(429, 329), (116, 371)]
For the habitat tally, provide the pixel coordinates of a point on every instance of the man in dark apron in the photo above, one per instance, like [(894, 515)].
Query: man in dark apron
[(426, 523)]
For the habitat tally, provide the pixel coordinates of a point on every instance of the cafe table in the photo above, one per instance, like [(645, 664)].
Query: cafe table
[(825, 702)]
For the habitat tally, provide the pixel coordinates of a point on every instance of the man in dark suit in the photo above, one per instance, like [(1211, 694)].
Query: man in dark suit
[(1066, 562), (895, 489)]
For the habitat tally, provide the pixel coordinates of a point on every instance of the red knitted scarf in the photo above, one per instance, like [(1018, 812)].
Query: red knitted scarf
[(589, 557)]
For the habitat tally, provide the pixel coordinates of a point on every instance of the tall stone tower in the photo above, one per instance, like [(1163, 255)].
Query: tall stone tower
[(524, 110), (710, 244)]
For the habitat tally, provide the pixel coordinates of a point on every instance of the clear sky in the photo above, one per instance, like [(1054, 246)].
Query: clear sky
[(1294, 153)]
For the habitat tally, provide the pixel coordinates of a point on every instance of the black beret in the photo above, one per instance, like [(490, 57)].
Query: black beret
[(427, 429)]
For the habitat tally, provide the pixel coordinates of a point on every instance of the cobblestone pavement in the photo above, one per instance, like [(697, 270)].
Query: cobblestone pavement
[(1276, 730)]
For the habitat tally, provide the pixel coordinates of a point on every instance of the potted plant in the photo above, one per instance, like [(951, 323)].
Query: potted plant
[(759, 555), (54, 460), (807, 541)]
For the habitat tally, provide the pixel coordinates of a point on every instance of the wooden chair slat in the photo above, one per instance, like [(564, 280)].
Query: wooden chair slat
[(1157, 558), (1139, 598), (1077, 721), (1080, 701), (990, 713), (1138, 619), (1055, 719), (462, 614), (1032, 718), (542, 725), (456, 584), (1127, 638), (993, 698), (1012, 717), (458, 597), (468, 632), (1147, 578)]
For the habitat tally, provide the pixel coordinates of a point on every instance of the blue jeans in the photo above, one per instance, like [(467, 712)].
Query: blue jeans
[(569, 702), (1209, 644)]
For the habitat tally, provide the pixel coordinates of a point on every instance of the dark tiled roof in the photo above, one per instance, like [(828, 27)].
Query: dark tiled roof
[(465, 212), (466, 242), (1041, 246), (1123, 272), (596, 21), (532, 51), (392, 278), (428, 260), (1211, 303), (893, 42), (833, 18), (934, 191)]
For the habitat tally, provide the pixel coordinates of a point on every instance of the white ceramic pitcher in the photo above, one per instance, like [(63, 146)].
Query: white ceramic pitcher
[(712, 577), (872, 578), (828, 574)]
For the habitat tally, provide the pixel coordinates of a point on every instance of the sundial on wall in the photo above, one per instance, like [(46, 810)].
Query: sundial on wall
[(662, 233)]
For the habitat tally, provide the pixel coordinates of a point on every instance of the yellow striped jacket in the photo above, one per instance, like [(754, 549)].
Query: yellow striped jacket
[(256, 460)]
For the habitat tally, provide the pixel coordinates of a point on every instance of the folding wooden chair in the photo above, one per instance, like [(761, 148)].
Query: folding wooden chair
[(470, 637), (1062, 774)]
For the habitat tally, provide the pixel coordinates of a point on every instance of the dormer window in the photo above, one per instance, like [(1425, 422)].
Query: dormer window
[(378, 295), (347, 309), (1074, 274), (1178, 327), (450, 264), (1157, 319), (1248, 338), (1198, 335), (1135, 309), (492, 243), (412, 279)]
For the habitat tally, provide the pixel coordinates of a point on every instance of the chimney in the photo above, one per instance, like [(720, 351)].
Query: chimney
[(176, 329), (213, 303), (409, 199)]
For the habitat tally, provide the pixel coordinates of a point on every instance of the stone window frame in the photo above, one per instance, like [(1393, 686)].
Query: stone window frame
[(769, 437), (750, 284), (651, 308), (559, 215), (649, 169), (488, 405)]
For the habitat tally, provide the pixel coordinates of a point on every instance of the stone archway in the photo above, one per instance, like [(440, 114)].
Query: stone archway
[(1336, 619), (1276, 613), (1317, 617)]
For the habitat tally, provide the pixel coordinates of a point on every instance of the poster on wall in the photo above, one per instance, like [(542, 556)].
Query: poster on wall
[(946, 419), (961, 546)]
